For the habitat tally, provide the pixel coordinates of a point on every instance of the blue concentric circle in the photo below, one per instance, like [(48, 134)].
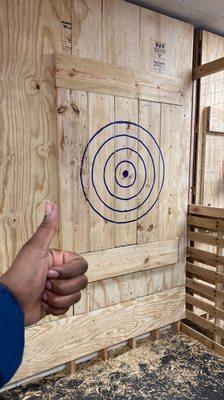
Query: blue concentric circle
[(132, 185), (125, 173), (104, 173)]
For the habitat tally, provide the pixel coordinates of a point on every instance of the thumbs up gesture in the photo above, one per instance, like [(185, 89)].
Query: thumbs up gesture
[(45, 281)]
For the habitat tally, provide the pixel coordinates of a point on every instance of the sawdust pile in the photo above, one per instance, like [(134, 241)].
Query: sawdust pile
[(174, 367)]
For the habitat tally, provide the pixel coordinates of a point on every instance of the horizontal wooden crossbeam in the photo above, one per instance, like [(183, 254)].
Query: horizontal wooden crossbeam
[(81, 73), (208, 68), (105, 264)]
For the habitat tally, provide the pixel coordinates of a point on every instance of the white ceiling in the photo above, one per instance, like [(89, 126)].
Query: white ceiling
[(203, 14)]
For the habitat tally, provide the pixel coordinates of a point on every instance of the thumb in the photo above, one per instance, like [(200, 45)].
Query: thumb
[(44, 234)]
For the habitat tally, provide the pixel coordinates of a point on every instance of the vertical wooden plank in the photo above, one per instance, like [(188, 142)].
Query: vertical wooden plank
[(212, 176), (73, 137), (175, 142), (205, 169), (86, 31), (168, 205), (64, 123), (120, 28), (81, 209), (74, 210), (149, 118), (126, 110), (101, 112)]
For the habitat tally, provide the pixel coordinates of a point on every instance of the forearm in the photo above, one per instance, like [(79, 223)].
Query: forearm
[(11, 335)]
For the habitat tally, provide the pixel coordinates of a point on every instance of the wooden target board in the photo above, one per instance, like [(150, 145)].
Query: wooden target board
[(111, 146)]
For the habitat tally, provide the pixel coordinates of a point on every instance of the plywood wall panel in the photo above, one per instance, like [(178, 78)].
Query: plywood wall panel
[(156, 29), (30, 152), (86, 31), (28, 119), (120, 33)]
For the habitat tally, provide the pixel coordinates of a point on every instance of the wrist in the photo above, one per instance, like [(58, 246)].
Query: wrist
[(5, 282)]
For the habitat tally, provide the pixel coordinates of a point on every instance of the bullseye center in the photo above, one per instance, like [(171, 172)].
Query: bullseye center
[(125, 173)]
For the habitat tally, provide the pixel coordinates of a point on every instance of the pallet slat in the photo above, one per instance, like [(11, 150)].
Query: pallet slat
[(204, 281), (209, 308), (204, 323), (204, 289), (205, 274), (206, 239), (205, 223), (209, 343), (205, 256), (204, 211)]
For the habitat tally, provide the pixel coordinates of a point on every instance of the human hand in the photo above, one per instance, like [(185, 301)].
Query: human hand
[(45, 281)]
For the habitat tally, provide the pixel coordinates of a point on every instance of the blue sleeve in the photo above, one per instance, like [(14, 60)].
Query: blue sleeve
[(11, 335)]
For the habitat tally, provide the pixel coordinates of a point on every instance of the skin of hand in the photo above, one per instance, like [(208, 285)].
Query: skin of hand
[(45, 281)]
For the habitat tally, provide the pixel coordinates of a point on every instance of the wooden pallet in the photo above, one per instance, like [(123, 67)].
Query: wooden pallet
[(205, 277)]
